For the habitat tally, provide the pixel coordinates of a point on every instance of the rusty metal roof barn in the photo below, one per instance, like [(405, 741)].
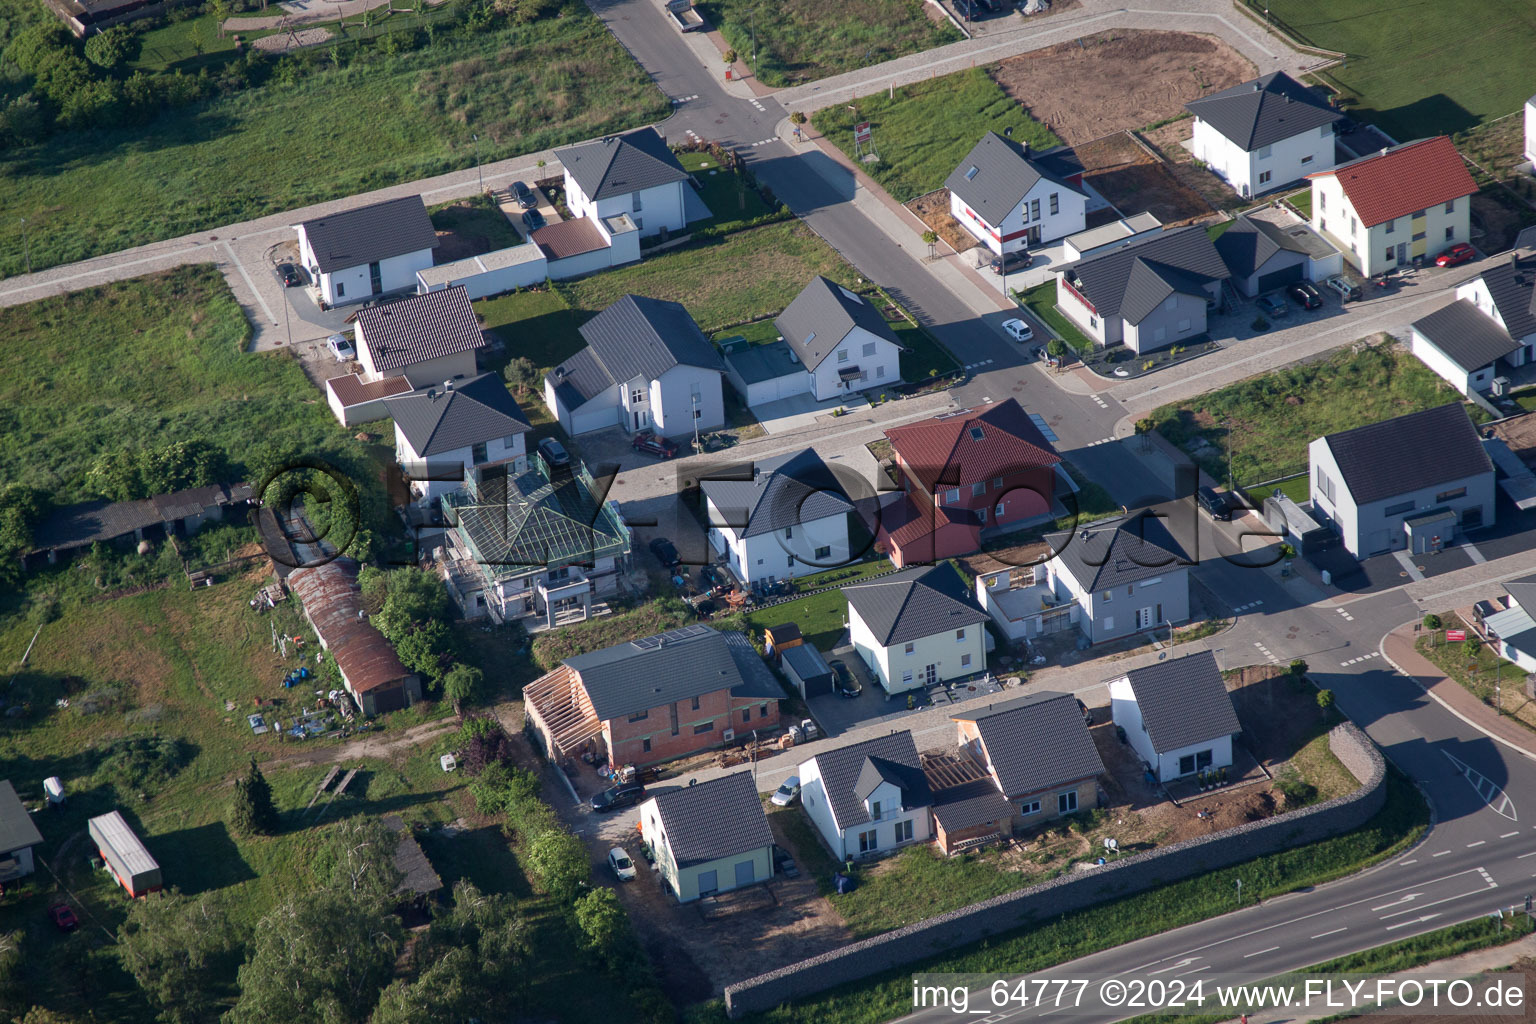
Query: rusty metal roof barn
[(333, 604)]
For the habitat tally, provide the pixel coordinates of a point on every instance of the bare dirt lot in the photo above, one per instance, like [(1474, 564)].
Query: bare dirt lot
[(1519, 432), (933, 209), (1180, 162), (1133, 180), (1119, 80)]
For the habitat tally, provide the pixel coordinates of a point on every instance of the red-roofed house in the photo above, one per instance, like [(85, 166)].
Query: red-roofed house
[(1383, 210), (962, 473)]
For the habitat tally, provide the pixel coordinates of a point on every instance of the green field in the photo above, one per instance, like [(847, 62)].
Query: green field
[(803, 40), (1420, 71), (141, 363), (924, 133), (334, 132), (1268, 421)]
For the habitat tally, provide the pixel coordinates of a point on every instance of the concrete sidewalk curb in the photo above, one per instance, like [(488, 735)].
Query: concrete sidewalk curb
[(1429, 691)]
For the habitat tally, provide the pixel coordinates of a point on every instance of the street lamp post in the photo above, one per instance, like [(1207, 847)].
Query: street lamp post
[(1170, 636), (475, 138), (696, 423)]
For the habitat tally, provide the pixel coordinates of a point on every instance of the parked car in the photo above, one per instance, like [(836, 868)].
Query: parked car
[(1305, 295), (847, 686), (1082, 709), (1215, 505), (784, 864), (1273, 305), (1018, 330), (623, 867), (290, 275), (664, 551), (785, 794), (1008, 262), (1456, 255), (626, 794), (1346, 292), (554, 452), (533, 220), (341, 348), (63, 917), (648, 443), (525, 196)]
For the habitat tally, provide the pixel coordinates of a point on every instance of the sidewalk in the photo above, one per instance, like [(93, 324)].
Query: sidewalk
[(1397, 648)]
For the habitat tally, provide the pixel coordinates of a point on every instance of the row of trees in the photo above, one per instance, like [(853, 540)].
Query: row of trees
[(410, 608)]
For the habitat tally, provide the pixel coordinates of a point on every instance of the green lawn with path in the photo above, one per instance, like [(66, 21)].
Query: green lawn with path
[(336, 131), (803, 40), (1041, 301), (928, 128), (1432, 69)]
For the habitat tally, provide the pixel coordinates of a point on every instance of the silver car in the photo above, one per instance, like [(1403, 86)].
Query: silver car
[(623, 867), (785, 794), (341, 348)]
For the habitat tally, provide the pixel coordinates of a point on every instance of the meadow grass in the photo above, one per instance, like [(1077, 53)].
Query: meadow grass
[(1416, 76), (928, 128), (354, 125), (803, 40)]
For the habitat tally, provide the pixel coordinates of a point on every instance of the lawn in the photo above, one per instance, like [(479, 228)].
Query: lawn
[(928, 128), (1484, 674), (1267, 421), (803, 40), (537, 324), (372, 122), (1408, 74), (727, 195), (143, 362), (1302, 200), (1041, 301)]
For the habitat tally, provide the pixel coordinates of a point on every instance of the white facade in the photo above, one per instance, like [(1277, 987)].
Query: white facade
[(426, 373), (1049, 211), (797, 550), (1530, 129), (510, 449), (697, 880), (355, 284), (1390, 244), (1215, 752), (1255, 172), (876, 835), (762, 392), (652, 209), (878, 361), (665, 405), (1480, 379), (952, 654), (1144, 606)]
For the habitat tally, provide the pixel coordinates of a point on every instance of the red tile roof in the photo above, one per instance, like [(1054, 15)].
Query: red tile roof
[(910, 531), (947, 449), (1403, 180), (350, 389), (568, 238)]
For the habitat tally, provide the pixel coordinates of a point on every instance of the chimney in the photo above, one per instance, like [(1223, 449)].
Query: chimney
[(1287, 97), (431, 394), (1257, 87), (447, 386)]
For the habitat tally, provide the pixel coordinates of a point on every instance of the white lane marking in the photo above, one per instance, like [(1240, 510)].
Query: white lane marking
[(1197, 970), (1480, 842), (1506, 835), (1261, 952), (1405, 863), (1173, 967), (1397, 902), (1442, 853), (1486, 788), (1436, 903), (1417, 920), (1323, 935), (1525, 855)]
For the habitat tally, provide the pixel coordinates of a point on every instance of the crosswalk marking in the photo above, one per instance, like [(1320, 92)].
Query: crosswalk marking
[(678, 100), (1102, 440), (1102, 404), (1347, 617), (1246, 607), (763, 142), (1268, 654), (1363, 657), (984, 362)]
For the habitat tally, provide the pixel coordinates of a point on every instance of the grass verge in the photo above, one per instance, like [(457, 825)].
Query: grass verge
[(926, 130), (1473, 665), (1041, 301)]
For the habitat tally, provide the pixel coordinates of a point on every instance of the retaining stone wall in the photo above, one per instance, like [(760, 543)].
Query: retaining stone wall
[(1077, 890)]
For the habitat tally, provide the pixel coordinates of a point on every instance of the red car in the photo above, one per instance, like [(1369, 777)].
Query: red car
[(63, 917), (654, 445), (1456, 255)]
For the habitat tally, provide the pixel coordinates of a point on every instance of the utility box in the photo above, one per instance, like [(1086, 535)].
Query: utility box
[(125, 854)]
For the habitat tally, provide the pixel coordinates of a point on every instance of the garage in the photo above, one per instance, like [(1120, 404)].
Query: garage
[(763, 373), (1279, 278), (808, 671)]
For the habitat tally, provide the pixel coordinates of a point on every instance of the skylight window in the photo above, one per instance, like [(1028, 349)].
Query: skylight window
[(976, 434), (851, 296), (810, 337), (972, 172)]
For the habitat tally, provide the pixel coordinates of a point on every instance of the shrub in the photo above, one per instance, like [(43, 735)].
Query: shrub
[(1298, 668), (1325, 699), (483, 743), (113, 48), (144, 764), (559, 862), (1433, 622), (1297, 791), (1260, 324), (252, 812)]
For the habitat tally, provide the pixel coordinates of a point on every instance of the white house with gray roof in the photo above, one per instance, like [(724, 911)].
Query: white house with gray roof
[(709, 838), (1146, 295), (1489, 329), (917, 627), (634, 173), (841, 339), (427, 339), (763, 373), (1177, 715), (1263, 134), (1263, 255), (17, 835), (366, 251), (457, 428), (1010, 201), (1037, 751), (647, 366), (868, 798), (1124, 576), (1414, 482), (1509, 627), (780, 518)]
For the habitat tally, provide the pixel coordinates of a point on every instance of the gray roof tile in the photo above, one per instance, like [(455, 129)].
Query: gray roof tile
[(1264, 111), (653, 671), (970, 804), (580, 379), (913, 603), (1249, 244), (1036, 742), (362, 235), (1409, 453), (1183, 701), (719, 818), (1003, 175), (822, 315), (621, 164), (16, 827), (419, 328), (840, 770), (641, 337), (1468, 337), (1523, 590), (786, 491), (1108, 282), (435, 420), (1111, 553), (1512, 286)]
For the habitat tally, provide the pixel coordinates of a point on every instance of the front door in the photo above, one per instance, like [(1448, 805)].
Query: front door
[(642, 419), (709, 883), (930, 675), (1402, 253), (1034, 234), (375, 278), (1144, 618)]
